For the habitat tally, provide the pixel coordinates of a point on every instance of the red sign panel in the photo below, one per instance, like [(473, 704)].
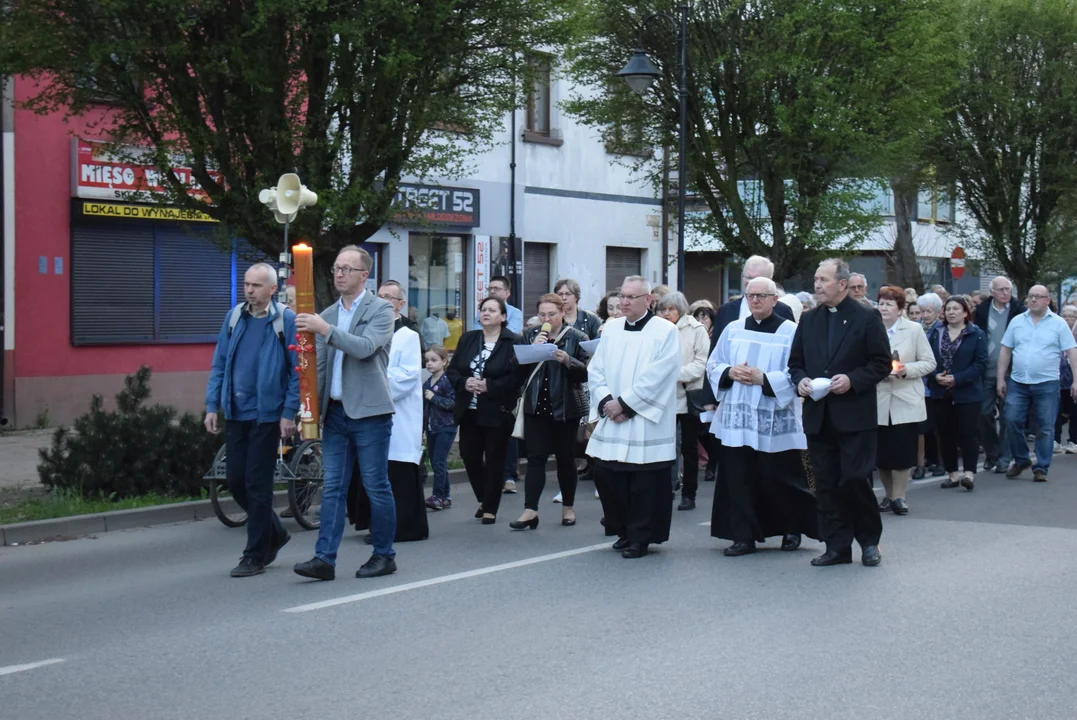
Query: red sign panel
[(100, 174), (957, 262)]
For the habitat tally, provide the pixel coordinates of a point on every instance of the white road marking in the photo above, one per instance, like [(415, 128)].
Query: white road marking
[(12, 669), (443, 579)]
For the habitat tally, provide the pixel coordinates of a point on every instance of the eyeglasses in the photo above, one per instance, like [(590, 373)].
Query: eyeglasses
[(622, 296), (565, 295), (344, 270), (391, 297), (758, 296), (1030, 296)]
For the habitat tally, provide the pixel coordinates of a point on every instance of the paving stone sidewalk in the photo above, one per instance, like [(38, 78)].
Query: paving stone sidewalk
[(18, 457)]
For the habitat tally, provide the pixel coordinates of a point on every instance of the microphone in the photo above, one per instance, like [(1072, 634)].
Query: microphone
[(545, 330)]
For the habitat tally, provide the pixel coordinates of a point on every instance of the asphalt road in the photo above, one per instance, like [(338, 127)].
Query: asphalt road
[(970, 616)]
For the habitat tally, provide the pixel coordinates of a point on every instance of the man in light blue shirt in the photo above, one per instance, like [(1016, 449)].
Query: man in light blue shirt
[(501, 288), (1035, 341)]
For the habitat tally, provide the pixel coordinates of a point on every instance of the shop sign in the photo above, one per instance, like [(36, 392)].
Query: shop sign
[(436, 204), (100, 174), (143, 212)]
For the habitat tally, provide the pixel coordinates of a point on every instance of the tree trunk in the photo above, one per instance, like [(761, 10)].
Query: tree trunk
[(904, 256)]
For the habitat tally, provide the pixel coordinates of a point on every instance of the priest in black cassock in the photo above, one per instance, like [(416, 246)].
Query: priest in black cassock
[(839, 354), (761, 491)]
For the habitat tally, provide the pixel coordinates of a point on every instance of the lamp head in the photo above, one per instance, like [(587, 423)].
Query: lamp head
[(640, 72)]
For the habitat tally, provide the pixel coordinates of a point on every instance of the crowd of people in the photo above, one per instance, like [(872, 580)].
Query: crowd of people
[(791, 402)]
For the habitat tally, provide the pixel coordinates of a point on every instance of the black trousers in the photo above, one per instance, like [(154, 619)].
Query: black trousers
[(250, 463), (561, 438), (847, 506), (637, 504), (1067, 411), (483, 451), (690, 427), (958, 433)]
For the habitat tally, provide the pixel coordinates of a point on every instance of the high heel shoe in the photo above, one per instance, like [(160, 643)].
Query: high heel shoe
[(568, 519), (488, 519), (524, 524)]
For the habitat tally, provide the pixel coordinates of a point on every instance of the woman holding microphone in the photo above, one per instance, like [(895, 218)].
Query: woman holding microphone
[(554, 400)]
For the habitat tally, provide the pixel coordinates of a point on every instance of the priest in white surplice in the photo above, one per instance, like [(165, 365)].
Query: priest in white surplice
[(761, 491), (632, 380)]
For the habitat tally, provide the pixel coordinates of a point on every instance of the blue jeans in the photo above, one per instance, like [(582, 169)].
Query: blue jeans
[(1042, 399), (438, 445), (512, 460), (344, 439)]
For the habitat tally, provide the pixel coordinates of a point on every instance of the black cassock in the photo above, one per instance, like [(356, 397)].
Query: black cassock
[(761, 494), (411, 523)]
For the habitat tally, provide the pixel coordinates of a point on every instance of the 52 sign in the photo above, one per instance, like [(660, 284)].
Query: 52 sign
[(437, 204)]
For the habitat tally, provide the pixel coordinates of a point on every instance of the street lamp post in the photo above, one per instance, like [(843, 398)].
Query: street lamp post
[(640, 73)]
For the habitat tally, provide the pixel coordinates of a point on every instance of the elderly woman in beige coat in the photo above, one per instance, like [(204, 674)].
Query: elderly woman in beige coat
[(900, 399), (695, 348)]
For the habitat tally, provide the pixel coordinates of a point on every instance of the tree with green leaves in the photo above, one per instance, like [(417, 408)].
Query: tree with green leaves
[(350, 94), (797, 109), (1009, 141)]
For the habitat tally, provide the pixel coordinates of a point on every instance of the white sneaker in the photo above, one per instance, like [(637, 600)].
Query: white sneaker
[(557, 498), (510, 487), (1070, 448), (1058, 449)]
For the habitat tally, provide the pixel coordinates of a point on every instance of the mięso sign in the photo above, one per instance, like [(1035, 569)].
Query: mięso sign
[(436, 204)]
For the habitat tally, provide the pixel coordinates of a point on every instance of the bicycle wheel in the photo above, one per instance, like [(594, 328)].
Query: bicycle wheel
[(218, 494), (305, 485)]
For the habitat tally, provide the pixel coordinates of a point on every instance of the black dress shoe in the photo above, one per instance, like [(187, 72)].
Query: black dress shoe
[(687, 503), (949, 483), (899, 506), (478, 514), (489, 520), (918, 473), (377, 566), (968, 483), (621, 544), (884, 506), (708, 477), (989, 465), (936, 471), (276, 548), (871, 556), (248, 568), (790, 543), (368, 539), (634, 550), (316, 568), (740, 547), (525, 524), (833, 557)]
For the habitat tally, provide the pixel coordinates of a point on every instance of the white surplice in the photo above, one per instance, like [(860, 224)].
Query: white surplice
[(746, 417), (641, 368), (406, 387)]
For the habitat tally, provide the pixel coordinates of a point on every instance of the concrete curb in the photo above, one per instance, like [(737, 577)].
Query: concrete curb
[(66, 528)]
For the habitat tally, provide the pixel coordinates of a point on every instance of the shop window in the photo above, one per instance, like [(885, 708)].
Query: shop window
[(145, 283), (435, 283)]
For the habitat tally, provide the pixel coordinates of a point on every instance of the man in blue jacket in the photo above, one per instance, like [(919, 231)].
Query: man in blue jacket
[(255, 384)]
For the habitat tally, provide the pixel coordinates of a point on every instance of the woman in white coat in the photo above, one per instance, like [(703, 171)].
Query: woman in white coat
[(695, 349), (900, 399), (405, 443)]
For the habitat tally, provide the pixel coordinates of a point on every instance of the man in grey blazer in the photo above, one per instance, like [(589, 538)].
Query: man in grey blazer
[(353, 337)]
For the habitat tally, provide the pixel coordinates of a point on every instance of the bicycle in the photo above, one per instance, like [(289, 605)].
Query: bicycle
[(300, 467)]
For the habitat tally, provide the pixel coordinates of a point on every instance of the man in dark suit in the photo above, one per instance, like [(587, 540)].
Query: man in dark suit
[(993, 318), (844, 341)]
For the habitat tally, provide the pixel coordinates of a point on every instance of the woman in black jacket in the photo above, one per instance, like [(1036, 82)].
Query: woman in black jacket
[(554, 402), (485, 375)]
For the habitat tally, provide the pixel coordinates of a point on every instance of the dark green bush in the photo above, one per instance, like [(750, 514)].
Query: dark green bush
[(133, 450)]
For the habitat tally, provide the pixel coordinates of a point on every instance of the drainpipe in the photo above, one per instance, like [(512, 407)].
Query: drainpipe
[(7, 91), (512, 199)]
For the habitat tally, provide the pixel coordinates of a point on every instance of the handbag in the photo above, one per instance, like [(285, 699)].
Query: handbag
[(699, 399), (518, 413)]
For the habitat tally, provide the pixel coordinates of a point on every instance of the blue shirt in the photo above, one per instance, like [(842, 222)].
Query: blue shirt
[(1037, 347), (245, 368), (344, 324), (514, 319)]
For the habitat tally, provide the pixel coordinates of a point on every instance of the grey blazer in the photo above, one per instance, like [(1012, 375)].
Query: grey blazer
[(364, 378)]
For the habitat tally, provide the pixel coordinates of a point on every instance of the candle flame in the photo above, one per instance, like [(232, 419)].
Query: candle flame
[(301, 246)]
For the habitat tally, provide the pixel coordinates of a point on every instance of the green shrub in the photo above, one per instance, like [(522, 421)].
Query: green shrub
[(131, 451)]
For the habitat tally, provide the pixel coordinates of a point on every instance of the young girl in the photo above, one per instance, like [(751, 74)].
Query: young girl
[(438, 403)]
